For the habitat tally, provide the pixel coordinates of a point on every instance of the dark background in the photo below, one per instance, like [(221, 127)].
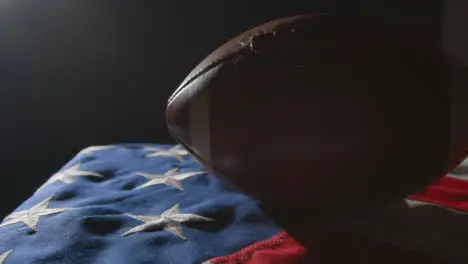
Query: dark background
[(75, 73)]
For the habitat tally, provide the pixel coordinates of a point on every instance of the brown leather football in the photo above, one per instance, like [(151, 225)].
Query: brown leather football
[(316, 113)]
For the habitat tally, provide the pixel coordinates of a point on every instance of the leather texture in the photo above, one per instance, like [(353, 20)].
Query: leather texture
[(316, 113)]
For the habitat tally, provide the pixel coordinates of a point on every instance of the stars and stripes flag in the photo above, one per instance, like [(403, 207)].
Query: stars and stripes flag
[(142, 203), (135, 204)]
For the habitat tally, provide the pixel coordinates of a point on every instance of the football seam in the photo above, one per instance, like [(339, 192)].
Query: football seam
[(244, 49), (209, 67)]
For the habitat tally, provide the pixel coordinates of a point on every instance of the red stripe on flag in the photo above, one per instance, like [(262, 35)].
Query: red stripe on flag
[(345, 247), (447, 192), (280, 249)]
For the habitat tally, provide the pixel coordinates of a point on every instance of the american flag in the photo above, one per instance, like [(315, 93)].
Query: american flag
[(147, 203), (134, 204)]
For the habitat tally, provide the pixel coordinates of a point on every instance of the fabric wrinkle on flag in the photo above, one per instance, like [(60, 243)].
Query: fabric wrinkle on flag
[(101, 214), (153, 203)]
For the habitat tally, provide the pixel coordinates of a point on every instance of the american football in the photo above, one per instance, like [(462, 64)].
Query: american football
[(318, 113)]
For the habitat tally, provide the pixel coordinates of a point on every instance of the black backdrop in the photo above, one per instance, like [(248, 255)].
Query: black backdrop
[(75, 73)]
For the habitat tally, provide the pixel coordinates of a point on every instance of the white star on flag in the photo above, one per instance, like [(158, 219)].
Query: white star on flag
[(176, 152), (67, 175), (31, 216), (170, 220), (4, 256), (170, 178), (90, 150)]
